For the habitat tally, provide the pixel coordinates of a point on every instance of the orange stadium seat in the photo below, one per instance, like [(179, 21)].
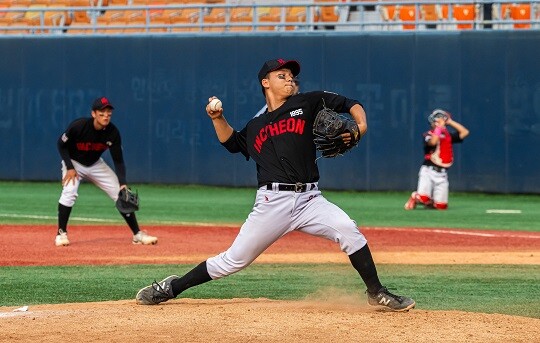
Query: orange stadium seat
[(461, 13), (11, 19), (135, 20), (112, 21), (20, 3), (160, 18), (80, 16), (407, 14), (501, 12), (327, 13), (118, 2), (216, 16), (521, 12), (430, 14), (464, 13), (271, 15), (32, 17), (2, 6), (241, 15), (296, 14), (187, 16), (389, 14)]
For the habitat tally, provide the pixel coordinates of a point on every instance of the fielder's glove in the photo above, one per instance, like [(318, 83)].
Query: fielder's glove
[(128, 202), (328, 128)]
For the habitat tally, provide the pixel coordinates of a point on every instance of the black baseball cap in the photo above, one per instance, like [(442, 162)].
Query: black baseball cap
[(101, 103), (280, 63)]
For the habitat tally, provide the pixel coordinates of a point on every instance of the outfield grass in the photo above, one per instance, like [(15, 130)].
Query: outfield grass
[(36, 203)]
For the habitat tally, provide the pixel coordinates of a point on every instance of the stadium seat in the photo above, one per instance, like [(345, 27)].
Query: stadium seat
[(241, 15), (500, 13), (271, 15), (389, 15), (134, 21), (118, 2), (32, 16), (407, 14), (21, 3), (80, 16), (298, 15), (112, 21), (327, 13), (111, 16), (3, 6), (521, 12), (430, 13), (464, 13), (461, 13), (215, 18), (8, 20), (186, 19)]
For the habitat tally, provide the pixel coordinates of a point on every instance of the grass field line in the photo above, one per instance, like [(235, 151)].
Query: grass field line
[(100, 220), (28, 216), (459, 232)]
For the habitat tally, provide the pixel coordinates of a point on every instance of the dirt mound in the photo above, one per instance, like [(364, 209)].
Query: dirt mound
[(256, 320)]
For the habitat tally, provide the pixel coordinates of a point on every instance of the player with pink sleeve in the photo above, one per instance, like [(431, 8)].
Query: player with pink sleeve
[(432, 190)]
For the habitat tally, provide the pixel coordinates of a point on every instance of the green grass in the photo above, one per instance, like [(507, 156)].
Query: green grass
[(35, 203), (509, 289)]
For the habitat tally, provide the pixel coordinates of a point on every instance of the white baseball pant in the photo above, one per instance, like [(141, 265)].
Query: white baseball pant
[(276, 213), (433, 184), (98, 173)]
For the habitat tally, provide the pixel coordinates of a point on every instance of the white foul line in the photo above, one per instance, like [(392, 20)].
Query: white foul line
[(9, 215), (457, 232), (84, 219)]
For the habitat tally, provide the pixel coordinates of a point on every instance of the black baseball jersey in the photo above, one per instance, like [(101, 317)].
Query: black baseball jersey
[(83, 143), (281, 142)]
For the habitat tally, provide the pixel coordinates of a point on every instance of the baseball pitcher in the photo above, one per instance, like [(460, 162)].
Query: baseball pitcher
[(283, 143)]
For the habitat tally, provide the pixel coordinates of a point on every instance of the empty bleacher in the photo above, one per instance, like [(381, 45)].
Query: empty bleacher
[(76, 17)]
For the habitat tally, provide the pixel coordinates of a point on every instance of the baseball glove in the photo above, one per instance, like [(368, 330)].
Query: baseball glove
[(328, 128), (128, 202)]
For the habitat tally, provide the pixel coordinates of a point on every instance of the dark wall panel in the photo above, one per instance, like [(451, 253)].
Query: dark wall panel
[(490, 81)]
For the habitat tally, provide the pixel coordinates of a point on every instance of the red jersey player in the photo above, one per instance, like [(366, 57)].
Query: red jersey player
[(432, 190)]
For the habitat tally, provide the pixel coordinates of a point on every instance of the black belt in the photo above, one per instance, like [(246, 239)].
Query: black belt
[(439, 169), (297, 187)]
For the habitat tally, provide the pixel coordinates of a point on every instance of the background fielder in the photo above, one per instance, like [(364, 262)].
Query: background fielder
[(280, 141), (81, 147), (432, 190)]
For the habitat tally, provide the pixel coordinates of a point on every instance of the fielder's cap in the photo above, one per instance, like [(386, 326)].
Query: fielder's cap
[(280, 63), (101, 103)]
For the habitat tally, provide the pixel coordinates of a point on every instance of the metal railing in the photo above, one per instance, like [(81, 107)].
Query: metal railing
[(348, 16)]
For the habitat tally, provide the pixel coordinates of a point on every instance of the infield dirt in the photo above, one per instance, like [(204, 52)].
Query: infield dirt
[(324, 317)]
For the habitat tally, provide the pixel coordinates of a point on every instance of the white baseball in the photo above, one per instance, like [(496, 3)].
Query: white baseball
[(215, 105)]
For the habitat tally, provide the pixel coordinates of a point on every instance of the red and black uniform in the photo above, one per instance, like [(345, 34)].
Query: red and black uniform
[(281, 142), (83, 143), (442, 155)]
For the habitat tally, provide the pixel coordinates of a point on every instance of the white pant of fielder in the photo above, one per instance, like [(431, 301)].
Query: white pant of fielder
[(98, 173)]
